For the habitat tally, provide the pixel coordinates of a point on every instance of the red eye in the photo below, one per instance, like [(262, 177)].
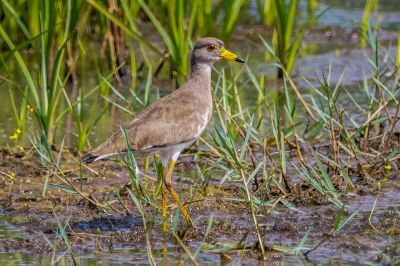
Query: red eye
[(211, 48)]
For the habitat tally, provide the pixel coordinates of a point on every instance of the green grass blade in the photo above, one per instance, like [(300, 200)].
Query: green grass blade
[(17, 18), (160, 28), (22, 66)]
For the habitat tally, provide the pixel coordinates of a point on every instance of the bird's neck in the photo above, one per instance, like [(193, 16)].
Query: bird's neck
[(202, 73)]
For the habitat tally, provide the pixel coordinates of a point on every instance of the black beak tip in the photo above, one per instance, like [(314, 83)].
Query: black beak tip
[(240, 60)]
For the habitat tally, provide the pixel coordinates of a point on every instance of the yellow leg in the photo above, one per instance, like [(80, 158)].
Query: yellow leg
[(167, 182), (164, 207)]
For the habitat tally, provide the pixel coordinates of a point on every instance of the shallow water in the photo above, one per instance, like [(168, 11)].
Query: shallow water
[(356, 243), (346, 14), (336, 44), (334, 41)]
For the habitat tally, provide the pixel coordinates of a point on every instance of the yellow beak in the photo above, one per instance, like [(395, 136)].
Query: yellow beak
[(227, 55)]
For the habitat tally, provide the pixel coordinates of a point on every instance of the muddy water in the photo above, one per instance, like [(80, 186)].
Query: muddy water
[(113, 238), (357, 243), (28, 223)]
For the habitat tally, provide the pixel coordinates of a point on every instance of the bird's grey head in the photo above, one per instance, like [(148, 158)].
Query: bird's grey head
[(210, 50)]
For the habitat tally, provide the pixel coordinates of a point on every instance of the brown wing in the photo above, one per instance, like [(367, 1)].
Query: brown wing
[(176, 118)]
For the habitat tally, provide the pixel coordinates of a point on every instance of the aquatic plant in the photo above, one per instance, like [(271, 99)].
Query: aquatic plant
[(175, 32), (397, 60), (178, 20), (267, 11), (118, 21), (217, 18), (80, 114), (331, 139), (370, 7), (285, 46), (46, 94)]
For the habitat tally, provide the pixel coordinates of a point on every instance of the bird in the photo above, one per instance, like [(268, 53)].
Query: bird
[(173, 122)]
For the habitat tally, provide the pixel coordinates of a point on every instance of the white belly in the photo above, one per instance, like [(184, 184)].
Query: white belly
[(172, 152)]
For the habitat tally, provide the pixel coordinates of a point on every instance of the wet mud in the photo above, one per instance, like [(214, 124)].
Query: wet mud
[(28, 217)]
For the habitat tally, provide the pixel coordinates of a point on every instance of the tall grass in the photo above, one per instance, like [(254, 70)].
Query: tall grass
[(176, 21), (115, 31), (284, 46), (46, 93), (370, 7), (259, 142), (266, 9), (397, 60), (58, 32), (217, 18), (175, 32)]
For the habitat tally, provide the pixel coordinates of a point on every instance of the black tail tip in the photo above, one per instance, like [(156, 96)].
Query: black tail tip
[(89, 158)]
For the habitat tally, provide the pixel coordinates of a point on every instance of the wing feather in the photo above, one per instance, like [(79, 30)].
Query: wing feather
[(176, 118)]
